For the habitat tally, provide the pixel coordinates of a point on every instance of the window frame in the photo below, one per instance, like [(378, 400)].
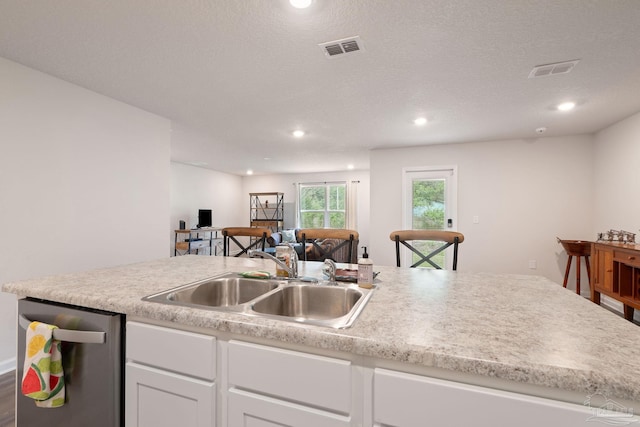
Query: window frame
[(326, 212)]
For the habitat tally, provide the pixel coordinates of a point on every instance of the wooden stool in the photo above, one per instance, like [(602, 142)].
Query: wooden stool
[(578, 249)]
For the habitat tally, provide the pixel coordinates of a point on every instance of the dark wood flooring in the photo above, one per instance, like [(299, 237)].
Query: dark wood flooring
[(7, 399)]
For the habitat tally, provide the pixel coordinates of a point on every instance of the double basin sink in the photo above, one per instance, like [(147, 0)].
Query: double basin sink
[(335, 306)]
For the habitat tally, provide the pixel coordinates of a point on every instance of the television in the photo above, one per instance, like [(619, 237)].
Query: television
[(204, 218)]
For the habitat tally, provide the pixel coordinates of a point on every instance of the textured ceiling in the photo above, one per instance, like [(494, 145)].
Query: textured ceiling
[(237, 76)]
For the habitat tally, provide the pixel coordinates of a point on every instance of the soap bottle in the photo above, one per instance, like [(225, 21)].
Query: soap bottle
[(283, 254), (365, 271)]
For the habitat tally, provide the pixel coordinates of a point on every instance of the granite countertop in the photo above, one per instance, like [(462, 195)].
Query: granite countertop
[(512, 327)]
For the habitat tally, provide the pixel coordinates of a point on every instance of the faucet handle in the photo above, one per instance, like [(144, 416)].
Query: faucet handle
[(329, 269)]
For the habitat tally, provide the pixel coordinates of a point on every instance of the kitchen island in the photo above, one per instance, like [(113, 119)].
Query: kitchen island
[(514, 333)]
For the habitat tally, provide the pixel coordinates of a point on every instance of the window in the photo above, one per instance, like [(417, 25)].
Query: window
[(323, 205)]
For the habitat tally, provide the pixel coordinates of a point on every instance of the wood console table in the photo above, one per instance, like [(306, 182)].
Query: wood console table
[(191, 240), (615, 269)]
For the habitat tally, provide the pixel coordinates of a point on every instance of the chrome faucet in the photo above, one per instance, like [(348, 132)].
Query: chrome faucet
[(329, 268), (292, 270)]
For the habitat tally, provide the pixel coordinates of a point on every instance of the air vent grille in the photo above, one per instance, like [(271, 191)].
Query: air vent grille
[(334, 49), (552, 69), (341, 47), (350, 46)]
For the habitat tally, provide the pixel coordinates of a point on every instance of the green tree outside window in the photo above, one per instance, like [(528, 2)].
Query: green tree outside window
[(323, 205)]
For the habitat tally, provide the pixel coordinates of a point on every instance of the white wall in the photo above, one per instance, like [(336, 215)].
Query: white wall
[(616, 182), (194, 188), (285, 184), (617, 177), (84, 183), (525, 193)]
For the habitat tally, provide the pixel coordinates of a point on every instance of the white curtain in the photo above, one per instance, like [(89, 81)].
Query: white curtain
[(296, 186), (352, 205)]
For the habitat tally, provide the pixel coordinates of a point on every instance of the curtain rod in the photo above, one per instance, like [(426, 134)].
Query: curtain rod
[(321, 182)]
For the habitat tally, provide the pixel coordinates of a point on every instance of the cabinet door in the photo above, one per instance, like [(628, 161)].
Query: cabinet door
[(604, 269), (408, 400), (157, 398), (251, 410)]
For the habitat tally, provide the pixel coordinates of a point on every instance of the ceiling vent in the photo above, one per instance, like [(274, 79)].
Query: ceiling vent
[(341, 47), (553, 69)]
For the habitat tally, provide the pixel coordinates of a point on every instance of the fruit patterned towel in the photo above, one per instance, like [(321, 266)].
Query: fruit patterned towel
[(43, 379)]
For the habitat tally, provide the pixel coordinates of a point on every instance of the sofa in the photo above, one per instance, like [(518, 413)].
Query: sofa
[(286, 236), (294, 237)]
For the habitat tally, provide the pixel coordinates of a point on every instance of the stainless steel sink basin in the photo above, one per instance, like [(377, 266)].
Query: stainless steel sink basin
[(226, 291), (309, 302), (330, 306), (293, 301)]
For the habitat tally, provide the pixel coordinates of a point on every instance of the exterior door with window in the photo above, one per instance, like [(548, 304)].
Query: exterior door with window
[(429, 204)]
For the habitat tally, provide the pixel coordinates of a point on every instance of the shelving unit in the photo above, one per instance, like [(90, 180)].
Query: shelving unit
[(199, 241), (266, 210)]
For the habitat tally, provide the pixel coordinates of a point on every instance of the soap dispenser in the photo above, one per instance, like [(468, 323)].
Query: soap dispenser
[(365, 270)]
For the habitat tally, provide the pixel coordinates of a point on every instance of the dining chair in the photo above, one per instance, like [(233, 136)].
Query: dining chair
[(408, 237), (257, 239), (337, 244)]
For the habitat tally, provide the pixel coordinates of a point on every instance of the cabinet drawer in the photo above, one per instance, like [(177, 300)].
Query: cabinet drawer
[(626, 257), (184, 352), (299, 377), (199, 244), (248, 409), (410, 400)]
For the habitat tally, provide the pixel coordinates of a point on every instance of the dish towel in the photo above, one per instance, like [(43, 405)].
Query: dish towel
[(43, 378)]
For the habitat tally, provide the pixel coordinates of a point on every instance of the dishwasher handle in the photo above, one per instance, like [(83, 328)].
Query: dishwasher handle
[(70, 335)]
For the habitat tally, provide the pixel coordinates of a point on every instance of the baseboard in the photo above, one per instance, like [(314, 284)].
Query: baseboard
[(7, 365), (617, 307)]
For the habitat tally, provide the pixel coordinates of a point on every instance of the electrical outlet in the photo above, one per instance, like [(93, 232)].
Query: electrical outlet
[(533, 264)]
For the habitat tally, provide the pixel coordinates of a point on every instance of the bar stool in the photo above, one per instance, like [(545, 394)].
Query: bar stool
[(337, 244), (447, 238), (578, 249), (258, 239)]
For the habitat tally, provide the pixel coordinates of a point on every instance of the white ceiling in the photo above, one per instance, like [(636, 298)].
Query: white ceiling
[(237, 76)]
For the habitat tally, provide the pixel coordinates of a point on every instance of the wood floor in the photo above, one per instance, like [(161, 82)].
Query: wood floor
[(7, 399)]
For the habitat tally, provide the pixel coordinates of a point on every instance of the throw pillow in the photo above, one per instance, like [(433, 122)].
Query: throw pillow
[(289, 236)]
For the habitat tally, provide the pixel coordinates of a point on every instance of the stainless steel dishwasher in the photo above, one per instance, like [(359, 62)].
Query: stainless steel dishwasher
[(92, 358)]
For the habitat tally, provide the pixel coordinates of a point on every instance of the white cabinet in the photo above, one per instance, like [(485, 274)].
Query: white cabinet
[(169, 378), (408, 400), (159, 398), (275, 387), (253, 410)]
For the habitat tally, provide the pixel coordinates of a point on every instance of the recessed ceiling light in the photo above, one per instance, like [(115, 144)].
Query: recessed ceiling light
[(249, 172), (300, 4), (566, 106), (350, 166), (420, 121), (298, 133)]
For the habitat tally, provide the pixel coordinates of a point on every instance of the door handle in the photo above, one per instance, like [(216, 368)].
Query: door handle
[(70, 335)]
